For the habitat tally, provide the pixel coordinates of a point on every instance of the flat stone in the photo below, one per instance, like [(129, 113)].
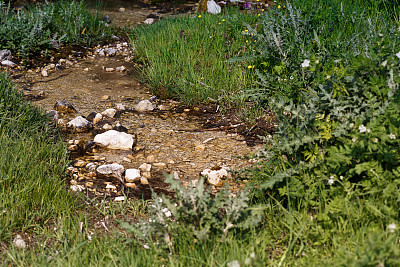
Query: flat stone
[(64, 106), (146, 175), (80, 124), (44, 73), (97, 118), (145, 167), (131, 185), (112, 170), (121, 198), (8, 63), (114, 140), (109, 112), (144, 105), (216, 177), (132, 175), (149, 21), (19, 242), (107, 127), (143, 180)]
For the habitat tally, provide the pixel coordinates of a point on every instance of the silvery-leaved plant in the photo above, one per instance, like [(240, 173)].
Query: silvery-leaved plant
[(195, 211)]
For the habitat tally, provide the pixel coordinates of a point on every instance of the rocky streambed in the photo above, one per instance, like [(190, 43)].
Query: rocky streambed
[(94, 92)]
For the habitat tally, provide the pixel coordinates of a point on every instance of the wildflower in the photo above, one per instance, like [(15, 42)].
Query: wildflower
[(246, 30), (317, 61), (246, 5), (233, 263), (398, 54), (219, 23), (306, 63), (258, 14), (291, 77), (279, 6), (354, 139), (392, 227), (202, 78), (341, 177), (376, 140), (250, 67), (368, 130), (146, 246), (223, 20), (384, 63), (331, 180), (362, 128), (247, 41), (199, 16), (392, 136), (160, 200), (262, 10)]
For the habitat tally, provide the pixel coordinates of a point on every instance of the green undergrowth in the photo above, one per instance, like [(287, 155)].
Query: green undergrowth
[(186, 57), (36, 28)]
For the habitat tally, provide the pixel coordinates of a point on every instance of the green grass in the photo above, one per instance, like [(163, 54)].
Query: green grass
[(29, 32), (186, 57)]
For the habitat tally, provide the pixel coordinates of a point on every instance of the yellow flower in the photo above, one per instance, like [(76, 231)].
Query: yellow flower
[(247, 41), (199, 16), (246, 30), (258, 14), (219, 23), (262, 10), (202, 78), (250, 67), (279, 6), (223, 20)]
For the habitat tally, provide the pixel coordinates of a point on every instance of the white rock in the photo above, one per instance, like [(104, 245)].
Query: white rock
[(149, 21), (5, 55), (107, 127), (120, 107), (80, 124), (19, 242), (114, 170), (144, 105), (114, 140), (213, 7), (121, 9), (120, 69), (145, 167), (216, 177), (121, 198), (111, 186), (97, 118), (176, 175), (8, 63), (44, 73), (109, 112), (110, 69), (132, 175)]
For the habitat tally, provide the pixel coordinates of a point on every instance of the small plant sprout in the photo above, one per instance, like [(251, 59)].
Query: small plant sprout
[(306, 63), (392, 227)]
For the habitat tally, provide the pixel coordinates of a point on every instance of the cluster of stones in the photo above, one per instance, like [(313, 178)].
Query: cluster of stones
[(117, 137)]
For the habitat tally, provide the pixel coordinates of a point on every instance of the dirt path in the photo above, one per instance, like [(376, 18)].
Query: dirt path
[(170, 138)]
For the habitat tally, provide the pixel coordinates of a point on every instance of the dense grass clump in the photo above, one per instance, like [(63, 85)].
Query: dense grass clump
[(186, 57), (37, 28), (32, 165)]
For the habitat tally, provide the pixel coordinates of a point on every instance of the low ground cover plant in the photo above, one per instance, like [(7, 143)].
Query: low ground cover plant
[(37, 28)]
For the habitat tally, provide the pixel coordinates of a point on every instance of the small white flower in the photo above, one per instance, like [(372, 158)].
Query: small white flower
[(233, 264), (168, 214), (146, 246), (160, 200), (368, 130), (291, 77), (398, 54), (306, 63), (375, 140), (351, 125), (252, 255), (316, 62), (354, 139), (341, 177), (362, 128), (392, 136), (331, 181), (328, 77), (392, 227), (384, 63)]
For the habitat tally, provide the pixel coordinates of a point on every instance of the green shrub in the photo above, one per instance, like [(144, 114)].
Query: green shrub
[(194, 213), (28, 31)]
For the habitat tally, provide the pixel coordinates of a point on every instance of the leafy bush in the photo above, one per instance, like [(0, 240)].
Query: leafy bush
[(196, 213), (38, 27)]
